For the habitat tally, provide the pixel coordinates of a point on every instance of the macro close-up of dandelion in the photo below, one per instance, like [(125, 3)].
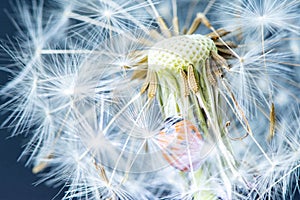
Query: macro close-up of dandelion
[(157, 99)]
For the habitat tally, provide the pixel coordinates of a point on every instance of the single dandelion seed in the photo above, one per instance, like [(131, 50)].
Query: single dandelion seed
[(272, 122)]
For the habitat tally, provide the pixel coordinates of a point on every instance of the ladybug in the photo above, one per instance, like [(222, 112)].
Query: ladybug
[(180, 141)]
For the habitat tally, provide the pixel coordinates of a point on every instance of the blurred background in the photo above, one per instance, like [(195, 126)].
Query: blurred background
[(16, 181)]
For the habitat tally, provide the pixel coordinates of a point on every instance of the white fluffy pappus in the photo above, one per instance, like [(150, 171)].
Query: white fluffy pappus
[(260, 16), (93, 103)]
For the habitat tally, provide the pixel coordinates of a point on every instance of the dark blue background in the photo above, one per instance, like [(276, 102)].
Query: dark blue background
[(16, 181)]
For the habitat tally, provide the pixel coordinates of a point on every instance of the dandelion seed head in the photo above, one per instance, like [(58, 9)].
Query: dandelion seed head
[(81, 72), (178, 52)]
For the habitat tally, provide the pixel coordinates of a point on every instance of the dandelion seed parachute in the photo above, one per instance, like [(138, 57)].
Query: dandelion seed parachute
[(254, 15)]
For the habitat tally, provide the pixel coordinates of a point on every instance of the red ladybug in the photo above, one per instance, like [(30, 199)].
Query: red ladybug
[(180, 142)]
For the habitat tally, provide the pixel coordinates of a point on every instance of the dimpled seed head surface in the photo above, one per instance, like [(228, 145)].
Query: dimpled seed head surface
[(178, 52)]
